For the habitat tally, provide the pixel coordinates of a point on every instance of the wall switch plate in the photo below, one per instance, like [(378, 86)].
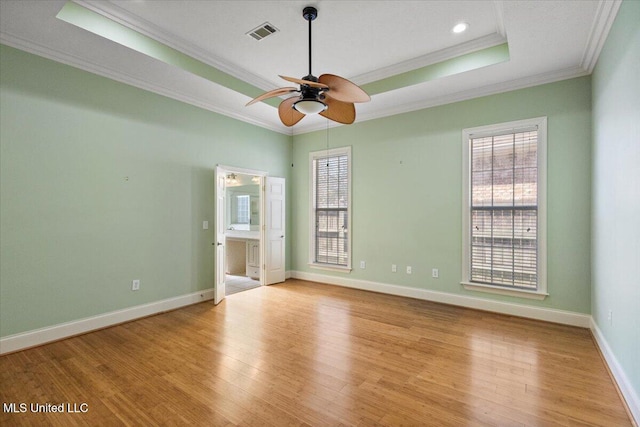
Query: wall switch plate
[(435, 273), (205, 225), (408, 269), (363, 264), (610, 317), (135, 285), (394, 268)]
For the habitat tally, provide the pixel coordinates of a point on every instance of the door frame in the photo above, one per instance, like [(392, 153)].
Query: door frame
[(226, 169)]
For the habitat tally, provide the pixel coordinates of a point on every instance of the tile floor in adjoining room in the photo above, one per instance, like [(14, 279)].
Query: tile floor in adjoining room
[(235, 284)]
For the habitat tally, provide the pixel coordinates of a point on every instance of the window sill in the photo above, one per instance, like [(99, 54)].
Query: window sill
[(330, 267), (520, 293)]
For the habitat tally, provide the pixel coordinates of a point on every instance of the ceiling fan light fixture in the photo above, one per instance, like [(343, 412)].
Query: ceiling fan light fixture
[(310, 106)]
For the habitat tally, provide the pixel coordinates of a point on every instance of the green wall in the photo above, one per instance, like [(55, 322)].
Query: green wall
[(75, 231), (102, 183), (616, 191), (407, 191)]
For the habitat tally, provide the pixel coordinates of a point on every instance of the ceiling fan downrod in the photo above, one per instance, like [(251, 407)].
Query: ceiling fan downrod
[(310, 13)]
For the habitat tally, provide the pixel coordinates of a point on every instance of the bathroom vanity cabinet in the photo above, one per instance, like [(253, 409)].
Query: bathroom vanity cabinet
[(243, 253), (253, 259)]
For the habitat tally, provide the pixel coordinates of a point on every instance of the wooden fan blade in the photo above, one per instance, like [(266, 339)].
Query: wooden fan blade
[(342, 89), (289, 115), (304, 82), (271, 94), (338, 111)]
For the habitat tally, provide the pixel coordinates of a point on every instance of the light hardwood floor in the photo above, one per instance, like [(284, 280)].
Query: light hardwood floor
[(301, 353)]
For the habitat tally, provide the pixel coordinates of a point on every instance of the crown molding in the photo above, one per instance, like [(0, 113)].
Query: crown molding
[(119, 15), (494, 89), (441, 55), (499, 10), (83, 64), (605, 15)]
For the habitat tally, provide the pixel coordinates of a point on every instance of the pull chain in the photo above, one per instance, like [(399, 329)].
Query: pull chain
[(327, 120)]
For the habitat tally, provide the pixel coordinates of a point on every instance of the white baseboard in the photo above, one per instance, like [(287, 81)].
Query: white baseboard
[(520, 310), (630, 395), (41, 336)]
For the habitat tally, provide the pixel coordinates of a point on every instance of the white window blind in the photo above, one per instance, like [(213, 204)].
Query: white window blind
[(330, 215), (504, 209)]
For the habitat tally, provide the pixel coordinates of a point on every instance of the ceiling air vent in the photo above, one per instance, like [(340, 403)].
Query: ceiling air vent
[(262, 31)]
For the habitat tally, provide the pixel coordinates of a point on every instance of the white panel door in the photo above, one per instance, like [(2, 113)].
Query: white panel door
[(220, 289), (274, 231)]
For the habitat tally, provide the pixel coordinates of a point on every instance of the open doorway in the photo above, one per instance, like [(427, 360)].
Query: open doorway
[(258, 225), (242, 220)]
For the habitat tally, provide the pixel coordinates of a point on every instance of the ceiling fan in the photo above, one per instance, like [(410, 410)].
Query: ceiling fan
[(329, 95)]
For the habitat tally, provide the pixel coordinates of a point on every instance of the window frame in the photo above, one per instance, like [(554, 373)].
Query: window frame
[(314, 156), (494, 130)]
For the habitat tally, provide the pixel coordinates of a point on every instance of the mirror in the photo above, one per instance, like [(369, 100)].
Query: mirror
[(243, 206)]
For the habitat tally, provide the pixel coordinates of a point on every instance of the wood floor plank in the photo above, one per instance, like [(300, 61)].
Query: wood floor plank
[(306, 354)]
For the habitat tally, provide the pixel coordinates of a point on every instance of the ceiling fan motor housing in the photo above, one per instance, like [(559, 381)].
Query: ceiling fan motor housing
[(309, 92)]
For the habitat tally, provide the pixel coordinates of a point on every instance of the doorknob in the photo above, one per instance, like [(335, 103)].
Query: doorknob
[(282, 237)]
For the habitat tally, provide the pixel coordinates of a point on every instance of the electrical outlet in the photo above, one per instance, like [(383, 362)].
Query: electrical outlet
[(408, 269), (435, 273), (394, 268), (610, 317), (135, 285), (363, 264)]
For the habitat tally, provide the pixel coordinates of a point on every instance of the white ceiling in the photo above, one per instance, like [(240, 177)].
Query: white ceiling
[(363, 41)]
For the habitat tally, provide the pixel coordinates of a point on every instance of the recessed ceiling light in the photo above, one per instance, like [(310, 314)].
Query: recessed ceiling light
[(461, 27)]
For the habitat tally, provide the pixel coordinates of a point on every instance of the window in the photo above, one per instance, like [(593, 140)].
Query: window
[(504, 211), (243, 209), (330, 217)]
